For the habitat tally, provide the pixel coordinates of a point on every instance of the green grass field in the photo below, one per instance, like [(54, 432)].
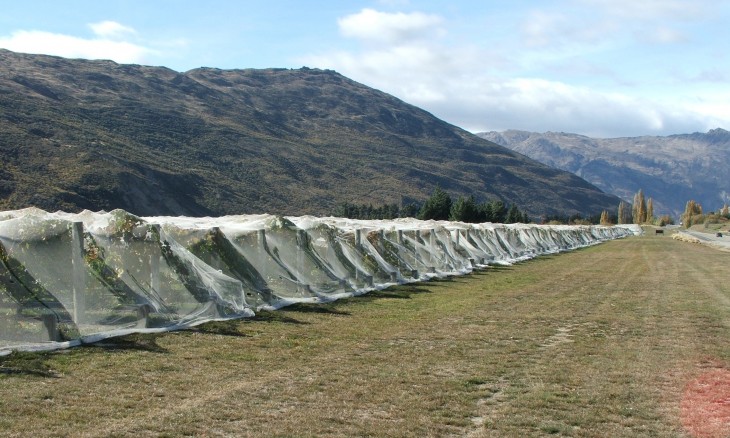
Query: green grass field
[(628, 338)]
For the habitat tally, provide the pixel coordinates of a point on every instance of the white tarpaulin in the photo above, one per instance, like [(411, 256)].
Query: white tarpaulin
[(68, 278)]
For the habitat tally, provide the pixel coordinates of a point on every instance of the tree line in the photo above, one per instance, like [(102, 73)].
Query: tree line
[(641, 212), (439, 206)]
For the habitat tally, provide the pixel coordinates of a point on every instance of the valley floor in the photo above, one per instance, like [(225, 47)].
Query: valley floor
[(627, 338)]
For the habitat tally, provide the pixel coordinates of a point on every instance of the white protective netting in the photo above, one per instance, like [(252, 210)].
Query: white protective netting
[(67, 278)]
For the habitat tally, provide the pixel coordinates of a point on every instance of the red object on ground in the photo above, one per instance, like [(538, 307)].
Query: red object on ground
[(706, 405)]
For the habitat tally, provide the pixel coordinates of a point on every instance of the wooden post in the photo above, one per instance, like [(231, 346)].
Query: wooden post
[(432, 244), (358, 238), (301, 238), (155, 265), (50, 322), (79, 272), (261, 234), (301, 242), (400, 237), (143, 312)]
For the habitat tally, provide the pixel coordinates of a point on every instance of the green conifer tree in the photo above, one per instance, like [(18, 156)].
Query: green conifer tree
[(465, 210), (513, 215), (437, 207)]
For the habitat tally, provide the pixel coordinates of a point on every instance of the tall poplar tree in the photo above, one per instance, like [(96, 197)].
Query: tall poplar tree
[(649, 211), (604, 218), (691, 211), (624, 213), (639, 208)]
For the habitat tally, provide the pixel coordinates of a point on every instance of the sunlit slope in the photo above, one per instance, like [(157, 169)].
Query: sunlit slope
[(78, 134)]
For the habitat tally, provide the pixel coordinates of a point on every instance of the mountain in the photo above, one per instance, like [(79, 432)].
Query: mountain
[(671, 170), (79, 134)]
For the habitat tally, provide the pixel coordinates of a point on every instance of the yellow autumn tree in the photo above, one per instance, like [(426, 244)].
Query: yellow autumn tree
[(624, 213), (692, 214), (605, 220), (649, 211), (639, 208)]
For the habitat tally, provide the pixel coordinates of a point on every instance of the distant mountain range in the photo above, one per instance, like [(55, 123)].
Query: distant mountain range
[(671, 170), (79, 134)]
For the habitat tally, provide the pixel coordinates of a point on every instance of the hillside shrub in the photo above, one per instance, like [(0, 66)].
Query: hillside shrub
[(664, 220)]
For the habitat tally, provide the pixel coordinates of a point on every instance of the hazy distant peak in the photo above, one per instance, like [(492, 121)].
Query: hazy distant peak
[(671, 169)]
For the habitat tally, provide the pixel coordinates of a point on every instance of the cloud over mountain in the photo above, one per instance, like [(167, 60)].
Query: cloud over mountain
[(110, 41), (549, 76)]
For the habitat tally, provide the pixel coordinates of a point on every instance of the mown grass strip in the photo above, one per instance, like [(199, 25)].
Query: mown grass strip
[(597, 342)]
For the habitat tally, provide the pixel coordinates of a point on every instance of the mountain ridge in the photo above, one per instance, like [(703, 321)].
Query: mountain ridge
[(81, 134), (670, 169)]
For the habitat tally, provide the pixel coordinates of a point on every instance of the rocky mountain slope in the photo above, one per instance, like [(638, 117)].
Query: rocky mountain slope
[(78, 134), (671, 170)]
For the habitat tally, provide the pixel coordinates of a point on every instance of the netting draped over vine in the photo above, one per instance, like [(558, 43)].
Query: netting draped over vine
[(72, 278)]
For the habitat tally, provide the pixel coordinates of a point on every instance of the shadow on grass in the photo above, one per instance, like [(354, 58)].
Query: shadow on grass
[(492, 269), (499, 268), (135, 341), (26, 364), (273, 316), (231, 327), (404, 291), (325, 308)]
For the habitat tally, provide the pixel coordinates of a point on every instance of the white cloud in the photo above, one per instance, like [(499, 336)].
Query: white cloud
[(714, 107), (469, 86), (651, 10), (545, 29), (111, 30), (370, 25), (542, 105), (661, 35), (108, 44), (586, 23)]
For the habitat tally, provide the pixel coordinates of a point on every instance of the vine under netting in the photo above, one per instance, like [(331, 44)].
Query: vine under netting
[(67, 279)]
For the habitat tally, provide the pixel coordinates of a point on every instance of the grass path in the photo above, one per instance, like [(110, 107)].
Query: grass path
[(605, 341)]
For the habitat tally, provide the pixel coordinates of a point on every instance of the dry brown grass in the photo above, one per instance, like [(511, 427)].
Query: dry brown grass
[(598, 342)]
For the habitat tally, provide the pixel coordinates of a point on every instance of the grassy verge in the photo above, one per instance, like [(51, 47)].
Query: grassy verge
[(599, 342)]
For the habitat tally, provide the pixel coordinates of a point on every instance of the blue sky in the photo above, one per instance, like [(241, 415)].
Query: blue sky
[(604, 68)]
